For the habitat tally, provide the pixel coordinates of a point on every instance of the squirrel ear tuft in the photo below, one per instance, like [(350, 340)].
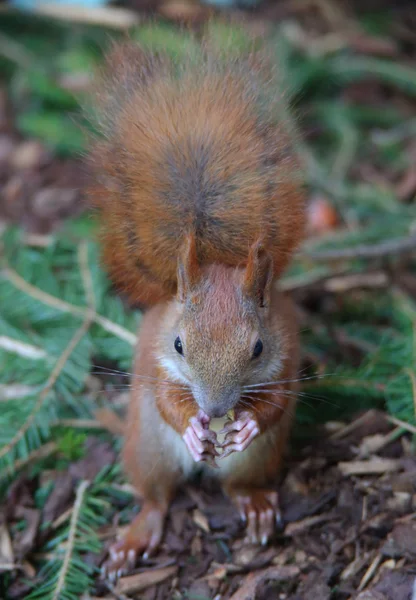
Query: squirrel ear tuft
[(189, 270), (258, 275)]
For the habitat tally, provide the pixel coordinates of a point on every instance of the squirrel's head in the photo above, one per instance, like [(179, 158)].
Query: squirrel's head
[(220, 336)]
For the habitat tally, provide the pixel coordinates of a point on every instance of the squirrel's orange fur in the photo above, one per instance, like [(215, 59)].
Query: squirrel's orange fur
[(195, 150), (197, 185)]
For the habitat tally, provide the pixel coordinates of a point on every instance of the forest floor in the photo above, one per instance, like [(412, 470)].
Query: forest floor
[(348, 493)]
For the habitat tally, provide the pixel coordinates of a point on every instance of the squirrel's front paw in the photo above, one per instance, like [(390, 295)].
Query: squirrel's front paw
[(239, 434), (200, 440)]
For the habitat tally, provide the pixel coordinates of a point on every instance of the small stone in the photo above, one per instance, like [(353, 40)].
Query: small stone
[(53, 202), (322, 216), (30, 154)]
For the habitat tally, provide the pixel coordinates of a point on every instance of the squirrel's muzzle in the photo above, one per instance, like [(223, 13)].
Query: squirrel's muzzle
[(217, 404)]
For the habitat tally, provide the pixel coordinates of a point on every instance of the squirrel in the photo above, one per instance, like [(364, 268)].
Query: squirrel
[(201, 209)]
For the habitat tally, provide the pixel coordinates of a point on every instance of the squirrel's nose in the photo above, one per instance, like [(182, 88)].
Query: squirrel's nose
[(216, 405), (216, 412)]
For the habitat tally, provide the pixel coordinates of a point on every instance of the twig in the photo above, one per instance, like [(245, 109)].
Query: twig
[(407, 426), (371, 571), (115, 18), (385, 248), (340, 284), (21, 348), (86, 274), (78, 423), (361, 420), (76, 338), (63, 306), (71, 538), (411, 374)]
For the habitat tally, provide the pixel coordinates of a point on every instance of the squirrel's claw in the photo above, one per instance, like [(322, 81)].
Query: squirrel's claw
[(200, 440), (260, 512), (239, 434), (142, 539)]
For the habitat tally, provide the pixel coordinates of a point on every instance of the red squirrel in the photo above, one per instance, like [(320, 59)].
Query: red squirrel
[(202, 207)]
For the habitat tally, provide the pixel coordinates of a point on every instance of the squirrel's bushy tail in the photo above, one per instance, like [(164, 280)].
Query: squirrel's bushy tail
[(200, 148)]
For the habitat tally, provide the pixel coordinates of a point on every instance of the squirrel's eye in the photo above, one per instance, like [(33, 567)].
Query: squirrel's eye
[(258, 349), (178, 345)]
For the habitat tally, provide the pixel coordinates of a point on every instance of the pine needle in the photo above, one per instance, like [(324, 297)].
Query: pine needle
[(79, 334), (71, 538)]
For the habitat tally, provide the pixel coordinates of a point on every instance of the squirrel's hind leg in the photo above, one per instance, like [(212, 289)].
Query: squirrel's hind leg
[(154, 467), (142, 538), (249, 479)]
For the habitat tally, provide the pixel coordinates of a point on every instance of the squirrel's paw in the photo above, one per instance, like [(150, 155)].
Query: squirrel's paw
[(259, 509), (200, 440), (239, 434), (142, 538)]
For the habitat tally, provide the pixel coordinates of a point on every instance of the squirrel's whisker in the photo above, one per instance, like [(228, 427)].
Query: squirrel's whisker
[(138, 376), (281, 381)]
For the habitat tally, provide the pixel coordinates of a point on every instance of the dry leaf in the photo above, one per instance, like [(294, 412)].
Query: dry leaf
[(401, 541), (25, 540), (248, 590)]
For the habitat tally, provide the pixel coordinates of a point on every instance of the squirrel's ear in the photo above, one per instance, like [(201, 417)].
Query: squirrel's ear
[(189, 269), (258, 276)]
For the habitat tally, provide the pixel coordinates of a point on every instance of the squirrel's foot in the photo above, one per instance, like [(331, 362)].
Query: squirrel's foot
[(239, 434), (200, 440), (259, 509), (142, 538)]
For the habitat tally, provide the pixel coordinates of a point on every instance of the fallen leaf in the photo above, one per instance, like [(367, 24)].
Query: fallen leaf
[(141, 581), (25, 540), (401, 541), (396, 585), (60, 497), (250, 584), (98, 455)]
